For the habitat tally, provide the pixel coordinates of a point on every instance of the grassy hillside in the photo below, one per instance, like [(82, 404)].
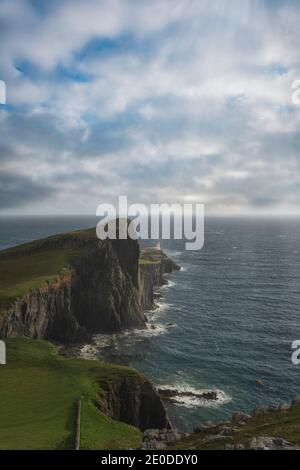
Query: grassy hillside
[(150, 255), (38, 395), (31, 265), (282, 424)]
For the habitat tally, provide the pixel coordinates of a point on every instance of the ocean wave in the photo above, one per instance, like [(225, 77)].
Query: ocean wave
[(151, 330), (161, 307), (189, 401), (169, 284), (116, 341)]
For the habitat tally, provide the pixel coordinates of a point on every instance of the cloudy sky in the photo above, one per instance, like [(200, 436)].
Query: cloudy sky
[(160, 100)]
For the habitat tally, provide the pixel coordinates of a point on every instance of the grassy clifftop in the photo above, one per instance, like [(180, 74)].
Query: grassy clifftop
[(38, 395), (29, 266)]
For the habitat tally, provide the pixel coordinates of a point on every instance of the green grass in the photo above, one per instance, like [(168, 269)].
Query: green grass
[(102, 433), (21, 274), (29, 266), (38, 395), (275, 424), (151, 256)]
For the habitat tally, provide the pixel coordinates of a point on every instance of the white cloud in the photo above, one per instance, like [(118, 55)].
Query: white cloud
[(196, 104)]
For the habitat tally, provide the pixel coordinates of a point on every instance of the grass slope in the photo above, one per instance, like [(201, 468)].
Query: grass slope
[(31, 265), (285, 425), (38, 395), (150, 255)]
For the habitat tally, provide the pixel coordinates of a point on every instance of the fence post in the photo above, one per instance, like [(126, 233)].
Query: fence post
[(77, 429)]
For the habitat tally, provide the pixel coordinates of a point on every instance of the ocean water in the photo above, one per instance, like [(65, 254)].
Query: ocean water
[(225, 322)]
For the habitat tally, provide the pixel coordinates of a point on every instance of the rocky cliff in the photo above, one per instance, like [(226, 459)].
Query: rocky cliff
[(66, 288), (97, 286), (44, 312), (133, 400), (154, 264)]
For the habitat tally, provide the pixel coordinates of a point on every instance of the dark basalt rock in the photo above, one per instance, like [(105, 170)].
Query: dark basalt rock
[(171, 394), (156, 439), (134, 401), (105, 290)]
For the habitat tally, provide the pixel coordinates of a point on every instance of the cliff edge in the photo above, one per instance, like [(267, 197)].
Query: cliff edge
[(40, 390), (69, 286)]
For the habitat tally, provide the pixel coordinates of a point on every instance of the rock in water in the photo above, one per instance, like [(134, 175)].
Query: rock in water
[(170, 394)]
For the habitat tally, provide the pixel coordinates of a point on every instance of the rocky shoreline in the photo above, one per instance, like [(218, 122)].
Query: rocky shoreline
[(225, 434)]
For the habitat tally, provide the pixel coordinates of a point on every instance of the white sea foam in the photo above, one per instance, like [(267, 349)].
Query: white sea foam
[(152, 329), (116, 341), (169, 284), (172, 254), (193, 401), (161, 307)]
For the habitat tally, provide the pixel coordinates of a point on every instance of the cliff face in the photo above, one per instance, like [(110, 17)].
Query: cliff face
[(100, 286), (153, 267), (106, 288), (98, 293), (44, 313), (134, 400)]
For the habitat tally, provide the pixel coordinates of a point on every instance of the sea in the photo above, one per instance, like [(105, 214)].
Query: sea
[(225, 322)]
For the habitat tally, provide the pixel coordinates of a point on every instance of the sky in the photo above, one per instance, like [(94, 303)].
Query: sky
[(165, 101)]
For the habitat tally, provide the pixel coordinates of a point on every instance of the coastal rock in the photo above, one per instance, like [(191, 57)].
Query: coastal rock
[(261, 410), (227, 430), (134, 402), (159, 439), (229, 447), (204, 426), (296, 401), (284, 407), (239, 417), (171, 394), (214, 438), (270, 443), (235, 447)]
